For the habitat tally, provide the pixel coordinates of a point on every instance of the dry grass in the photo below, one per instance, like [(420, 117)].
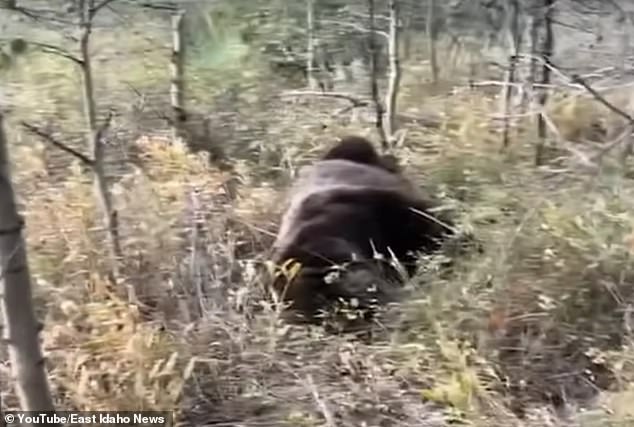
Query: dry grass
[(544, 312)]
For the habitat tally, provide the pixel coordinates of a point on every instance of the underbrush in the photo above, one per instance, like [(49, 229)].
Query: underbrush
[(542, 315)]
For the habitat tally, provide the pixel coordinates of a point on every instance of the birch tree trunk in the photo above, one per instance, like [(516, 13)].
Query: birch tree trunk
[(546, 54), (177, 71), (20, 326), (431, 40), (395, 71)]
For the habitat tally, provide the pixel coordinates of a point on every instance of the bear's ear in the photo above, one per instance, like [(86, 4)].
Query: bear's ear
[(355, 149)]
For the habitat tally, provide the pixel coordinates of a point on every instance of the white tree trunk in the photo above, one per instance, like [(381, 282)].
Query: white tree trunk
[(177, 71), (395, 71)]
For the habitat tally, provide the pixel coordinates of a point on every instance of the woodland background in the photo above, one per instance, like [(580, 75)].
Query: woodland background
[(151, 144)]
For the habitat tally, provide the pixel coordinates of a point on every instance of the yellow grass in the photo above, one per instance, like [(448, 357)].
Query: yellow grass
[(554, 280)]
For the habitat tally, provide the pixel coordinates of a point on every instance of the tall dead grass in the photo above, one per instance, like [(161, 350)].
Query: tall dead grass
[(544, 313)]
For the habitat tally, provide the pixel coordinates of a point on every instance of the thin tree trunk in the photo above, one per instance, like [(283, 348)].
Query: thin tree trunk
[(407, 38), (624, 42), (534, 53), (177, 71), (395, 70), (515, 38), (431, 40), (546, 54), (374, 85), (20, 326), (95, 143), (310, 47)]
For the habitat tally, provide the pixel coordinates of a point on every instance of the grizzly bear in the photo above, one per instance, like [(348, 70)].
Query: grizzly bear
[(348, 215)]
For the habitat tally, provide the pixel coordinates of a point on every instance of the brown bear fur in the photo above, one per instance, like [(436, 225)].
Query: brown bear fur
[(359, 150), (342, 209)]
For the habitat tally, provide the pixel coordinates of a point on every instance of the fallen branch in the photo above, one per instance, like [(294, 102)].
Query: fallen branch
[(359, 28), (496, 83), (49, 138), (357, 102)]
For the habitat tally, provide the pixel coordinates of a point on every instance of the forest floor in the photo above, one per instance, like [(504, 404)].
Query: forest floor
[(534, 331)]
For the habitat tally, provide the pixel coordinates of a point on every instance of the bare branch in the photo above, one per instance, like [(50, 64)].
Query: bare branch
[(46, 136), (362, 15), (95, 9), (496, 83), (46, 16), (580, 81), (158, 114), (321, 404), (164, 6), (104, 126), (56, 50), (28, 13), (576, 79), (356, 27), (572, 27)]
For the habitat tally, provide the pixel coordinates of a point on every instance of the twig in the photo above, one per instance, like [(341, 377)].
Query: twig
[(572, 27), (496, 83), (580, 81), (357, 27), (330, 419), (576, 79), (104, 126), (39, 132), (399, 137), (548, 64), (357, 102), (28, 13), (159, 115), (165, 6), (56, 50), (443, 224), (46, 16), (94, 10)]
